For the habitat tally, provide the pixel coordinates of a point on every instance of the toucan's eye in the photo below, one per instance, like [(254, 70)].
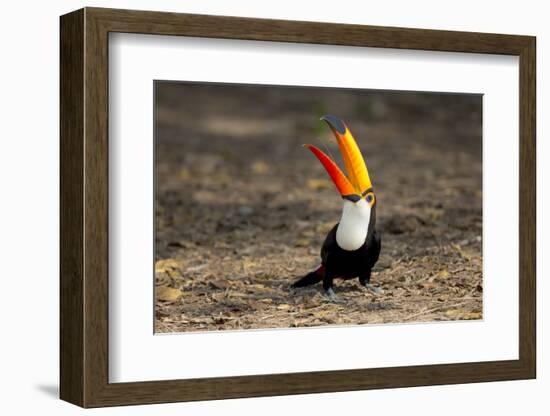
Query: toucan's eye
[(369, 198)]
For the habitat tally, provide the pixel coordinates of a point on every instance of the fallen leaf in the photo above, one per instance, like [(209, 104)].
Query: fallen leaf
[(460, 251), (317, 184), (453, 313), (443, 274), (184, 173), (171, 267), (471, 316), (302, 242), (428, 285), (260, 167), (167, 294), (256, 286)]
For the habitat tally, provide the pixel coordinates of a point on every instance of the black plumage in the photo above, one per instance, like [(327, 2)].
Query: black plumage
[(339, 263)]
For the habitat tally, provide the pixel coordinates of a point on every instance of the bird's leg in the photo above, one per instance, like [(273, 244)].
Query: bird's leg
[(364, 279), (327, 286), (374, 289), (331, 295)]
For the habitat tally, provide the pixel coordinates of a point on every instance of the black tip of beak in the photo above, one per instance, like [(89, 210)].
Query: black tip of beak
[(335, 123)]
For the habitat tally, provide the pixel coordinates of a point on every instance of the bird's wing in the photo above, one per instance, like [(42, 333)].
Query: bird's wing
[(329, 244), (376, 247)]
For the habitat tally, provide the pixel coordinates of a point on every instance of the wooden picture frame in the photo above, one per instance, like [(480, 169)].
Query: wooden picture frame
[(84, 207)]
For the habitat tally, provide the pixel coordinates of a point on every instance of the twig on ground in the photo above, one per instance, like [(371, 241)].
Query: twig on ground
[(439, 308)]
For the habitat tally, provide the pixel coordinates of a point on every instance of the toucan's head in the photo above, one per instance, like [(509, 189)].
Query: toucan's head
[(356, 187)]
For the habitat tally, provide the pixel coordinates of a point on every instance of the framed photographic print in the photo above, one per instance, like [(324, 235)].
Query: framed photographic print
[(256, 207)]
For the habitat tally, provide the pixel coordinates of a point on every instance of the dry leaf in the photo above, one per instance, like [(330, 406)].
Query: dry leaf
[(453, 313), (256, 286), (184, 173), (443, 274), (171, 267), (302, 242), (260, 167), (167, 294), (317, 184), (471, 316)]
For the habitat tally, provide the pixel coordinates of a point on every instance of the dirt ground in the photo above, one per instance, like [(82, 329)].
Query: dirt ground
[(242, 208)]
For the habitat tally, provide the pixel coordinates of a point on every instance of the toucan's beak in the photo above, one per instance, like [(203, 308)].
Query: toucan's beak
[(342, 183), (359, 182)]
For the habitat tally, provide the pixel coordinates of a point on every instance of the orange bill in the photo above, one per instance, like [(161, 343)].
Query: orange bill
[(342, 184), (353, 159)]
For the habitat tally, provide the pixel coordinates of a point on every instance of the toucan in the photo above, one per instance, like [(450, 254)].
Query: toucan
[(352, 246)]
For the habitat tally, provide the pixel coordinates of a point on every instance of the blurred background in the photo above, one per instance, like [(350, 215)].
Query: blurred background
[(242, 209)]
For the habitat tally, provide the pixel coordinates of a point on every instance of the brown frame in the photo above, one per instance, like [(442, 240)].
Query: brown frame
[(84, 213)]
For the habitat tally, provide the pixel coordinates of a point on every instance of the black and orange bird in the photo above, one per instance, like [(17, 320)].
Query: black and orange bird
[(352, 246)]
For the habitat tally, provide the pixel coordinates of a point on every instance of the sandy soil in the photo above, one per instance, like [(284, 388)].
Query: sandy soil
[(242, 209)]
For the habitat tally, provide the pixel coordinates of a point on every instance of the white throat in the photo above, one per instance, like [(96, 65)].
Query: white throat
[(354, 225)]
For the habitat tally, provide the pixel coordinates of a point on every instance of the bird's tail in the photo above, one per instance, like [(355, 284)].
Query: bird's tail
[(311, 278)]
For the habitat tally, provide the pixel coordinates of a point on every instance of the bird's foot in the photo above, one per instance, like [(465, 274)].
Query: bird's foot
[(374, 289), (331, 296)]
